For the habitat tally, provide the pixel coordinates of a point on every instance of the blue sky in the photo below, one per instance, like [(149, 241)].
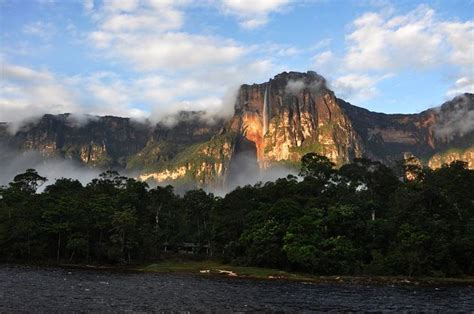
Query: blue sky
[(151, 58)]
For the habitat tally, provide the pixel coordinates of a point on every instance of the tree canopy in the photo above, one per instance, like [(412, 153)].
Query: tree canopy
[(363, 218)]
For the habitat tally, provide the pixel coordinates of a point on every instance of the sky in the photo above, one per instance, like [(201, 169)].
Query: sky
[(151, 58)]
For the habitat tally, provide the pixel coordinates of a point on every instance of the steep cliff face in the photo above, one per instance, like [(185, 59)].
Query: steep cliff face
[(292, 114), (387, 137), (274, 123), (166, 146), (98, 142), (112, 142), (201, 164)]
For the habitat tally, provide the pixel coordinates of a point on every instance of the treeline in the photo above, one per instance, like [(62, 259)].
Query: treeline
[(363, 218)]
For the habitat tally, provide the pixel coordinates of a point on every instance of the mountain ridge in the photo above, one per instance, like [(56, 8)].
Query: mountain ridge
[(274, 124)]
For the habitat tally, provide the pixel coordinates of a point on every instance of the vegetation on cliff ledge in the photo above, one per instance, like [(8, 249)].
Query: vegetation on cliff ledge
[(363, 218)]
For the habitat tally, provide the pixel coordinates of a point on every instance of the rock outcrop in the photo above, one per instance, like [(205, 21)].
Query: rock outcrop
[(292, 114)]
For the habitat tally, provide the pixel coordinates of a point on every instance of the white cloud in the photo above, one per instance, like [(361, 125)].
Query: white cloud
[(88, 5), (385, 43), (119, 22), (357, 87), (212, 107), (142, 18), (28, 93), (120, 5), (286, 51), (325, 62), (381, 42), (20, 73), (323, 57), (462, 85), (168, 51), (40, 29), (146, 35), (461, 38), (294, 87), (101, 39), (323, 43), (253, 13), (112, 93), (167, 95)]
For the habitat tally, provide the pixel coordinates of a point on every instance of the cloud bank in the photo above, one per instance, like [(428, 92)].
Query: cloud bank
[(382, 44), (253, 13), (169, 69)]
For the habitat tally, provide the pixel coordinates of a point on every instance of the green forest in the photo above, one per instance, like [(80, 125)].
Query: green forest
[(361, 218)]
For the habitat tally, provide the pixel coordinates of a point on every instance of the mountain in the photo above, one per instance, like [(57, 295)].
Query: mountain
[(275, 123), (292, 114)]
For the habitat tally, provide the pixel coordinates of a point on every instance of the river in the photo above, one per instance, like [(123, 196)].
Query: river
[(43, 289)]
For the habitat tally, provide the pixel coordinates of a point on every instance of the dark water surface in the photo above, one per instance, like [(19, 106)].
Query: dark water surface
[(38, 289)]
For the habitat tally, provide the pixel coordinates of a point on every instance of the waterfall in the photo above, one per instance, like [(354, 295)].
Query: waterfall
[(265, 112)]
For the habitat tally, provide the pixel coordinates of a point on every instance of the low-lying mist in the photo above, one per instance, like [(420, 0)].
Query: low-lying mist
[(260, 176), (14, 162), (244, 170)]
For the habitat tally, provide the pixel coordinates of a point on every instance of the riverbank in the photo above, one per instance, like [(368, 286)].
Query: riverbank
[(211, 268), (215, 268)]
